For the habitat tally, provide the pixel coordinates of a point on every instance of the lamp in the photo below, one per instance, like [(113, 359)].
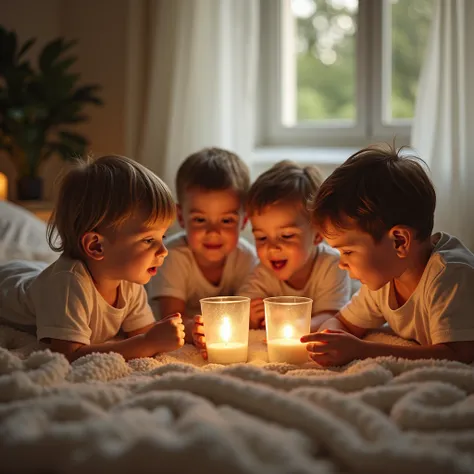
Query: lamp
[(3, 187)]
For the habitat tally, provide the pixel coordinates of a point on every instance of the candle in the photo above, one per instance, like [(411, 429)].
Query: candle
[(288, 348), (3, 187), (226, 326), (226, 352), (287, 318)]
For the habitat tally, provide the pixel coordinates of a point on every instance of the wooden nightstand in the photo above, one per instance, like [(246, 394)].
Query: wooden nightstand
[(41, 209)]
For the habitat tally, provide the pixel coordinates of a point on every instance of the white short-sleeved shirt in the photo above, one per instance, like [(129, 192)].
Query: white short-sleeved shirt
[(328, 285), (180, 276), (439, 310), (62, 302)]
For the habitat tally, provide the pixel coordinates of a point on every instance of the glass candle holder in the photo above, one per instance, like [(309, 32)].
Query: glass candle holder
[(287, 318), (226, 326)]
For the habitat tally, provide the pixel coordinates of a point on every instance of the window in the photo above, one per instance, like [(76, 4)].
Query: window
[(340, 72)]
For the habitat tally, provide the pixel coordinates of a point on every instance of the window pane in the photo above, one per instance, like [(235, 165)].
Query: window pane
[(322, 56), (411, 22)]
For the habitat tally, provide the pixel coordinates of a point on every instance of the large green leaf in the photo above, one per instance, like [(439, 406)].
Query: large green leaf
[(26, 46), (52, 52)]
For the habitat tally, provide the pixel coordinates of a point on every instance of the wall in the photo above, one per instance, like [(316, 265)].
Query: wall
[(101, 30)]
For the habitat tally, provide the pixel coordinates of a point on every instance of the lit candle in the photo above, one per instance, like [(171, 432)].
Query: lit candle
[(226, 325), (287, 348), (3, 187), (287, 318), (226, 352)]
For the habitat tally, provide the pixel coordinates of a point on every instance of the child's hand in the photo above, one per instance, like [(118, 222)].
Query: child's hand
[(188, 322), (334, 348), (199, 340), (257, 314), (167, 334)]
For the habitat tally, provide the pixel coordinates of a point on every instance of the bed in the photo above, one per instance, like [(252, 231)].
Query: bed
[(175, 413), (22, 235)]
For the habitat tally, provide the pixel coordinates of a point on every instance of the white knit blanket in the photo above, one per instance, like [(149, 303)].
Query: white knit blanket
[(175, 414)]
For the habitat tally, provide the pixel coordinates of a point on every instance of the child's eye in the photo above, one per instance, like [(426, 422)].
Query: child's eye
[(198, 220), (260, 239), (228, 221), (288, 236), (346, 252), (148, 241)]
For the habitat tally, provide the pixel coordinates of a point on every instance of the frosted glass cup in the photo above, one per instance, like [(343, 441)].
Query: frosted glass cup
[(226, 326), (287, 318)]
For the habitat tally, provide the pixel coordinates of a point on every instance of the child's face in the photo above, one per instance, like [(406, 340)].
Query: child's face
[(373, 263), (285, 240), (134, 252), (213, 221)]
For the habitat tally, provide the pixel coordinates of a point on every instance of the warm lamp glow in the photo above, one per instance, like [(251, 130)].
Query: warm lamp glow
[(288, 331), (3, 187), (226, 329)]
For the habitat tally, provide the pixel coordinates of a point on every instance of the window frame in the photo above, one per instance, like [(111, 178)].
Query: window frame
[(371, 42)]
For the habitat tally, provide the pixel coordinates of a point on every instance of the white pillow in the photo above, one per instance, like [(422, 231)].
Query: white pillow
[(22, 235)]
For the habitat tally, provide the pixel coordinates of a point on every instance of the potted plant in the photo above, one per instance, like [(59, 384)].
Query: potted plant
[(38, 107)]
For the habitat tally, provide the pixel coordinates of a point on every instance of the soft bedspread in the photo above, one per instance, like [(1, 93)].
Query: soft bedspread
[(176, 414)]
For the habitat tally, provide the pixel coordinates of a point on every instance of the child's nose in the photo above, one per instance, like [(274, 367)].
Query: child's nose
[(343, 265), (274, 245), (162, 251), (212, 227)]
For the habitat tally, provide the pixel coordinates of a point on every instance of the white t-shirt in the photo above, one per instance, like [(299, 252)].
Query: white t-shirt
[(180, 276), (328, 285), (439, 310), (62, 302)]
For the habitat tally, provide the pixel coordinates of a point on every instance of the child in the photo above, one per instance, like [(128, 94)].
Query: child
[(377, 209), (293, 259), (208, 258), (110, 217)]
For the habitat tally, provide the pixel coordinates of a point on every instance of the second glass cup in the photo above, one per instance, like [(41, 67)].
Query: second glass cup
[(287, 318)]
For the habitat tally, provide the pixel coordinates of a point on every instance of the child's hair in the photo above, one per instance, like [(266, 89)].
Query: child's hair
[(375, 189), (105, 192), (286, 181), (213, 169)]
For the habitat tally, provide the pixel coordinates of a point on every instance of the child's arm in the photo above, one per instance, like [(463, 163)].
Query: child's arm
[(163, 336), (336, 348)]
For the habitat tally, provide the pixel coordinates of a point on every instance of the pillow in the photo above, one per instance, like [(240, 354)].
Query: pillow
[(22, 235)]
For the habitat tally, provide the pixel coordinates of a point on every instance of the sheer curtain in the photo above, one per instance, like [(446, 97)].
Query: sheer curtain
[(442, 133), (192, 81)]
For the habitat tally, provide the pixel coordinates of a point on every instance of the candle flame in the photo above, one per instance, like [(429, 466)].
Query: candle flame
[(226, 329), (288, 331)]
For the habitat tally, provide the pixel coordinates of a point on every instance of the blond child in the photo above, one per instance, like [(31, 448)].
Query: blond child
[(109, 222), (208, 258), (293, 259), (377, 209)]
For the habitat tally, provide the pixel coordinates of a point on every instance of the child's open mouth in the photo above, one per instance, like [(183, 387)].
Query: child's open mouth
[(213, 246), (278, 264), (152, 270)]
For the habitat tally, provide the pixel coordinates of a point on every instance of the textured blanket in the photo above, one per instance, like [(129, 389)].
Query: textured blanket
[(175, 414)]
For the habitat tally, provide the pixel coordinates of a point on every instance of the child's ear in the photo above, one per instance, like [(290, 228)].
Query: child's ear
[(244, 221), (401, 237), (318, 238), (93, 245), (179, 215)]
